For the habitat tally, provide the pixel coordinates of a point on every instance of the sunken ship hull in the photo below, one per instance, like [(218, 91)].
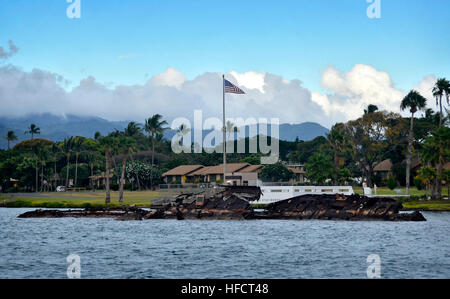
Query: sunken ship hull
[(235, 203)]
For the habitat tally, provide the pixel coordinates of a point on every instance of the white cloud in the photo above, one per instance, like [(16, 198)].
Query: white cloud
[(169, 94), (30, 92), (425, 88), (355, 90), (171, 77), (250, 80), (172, 95)]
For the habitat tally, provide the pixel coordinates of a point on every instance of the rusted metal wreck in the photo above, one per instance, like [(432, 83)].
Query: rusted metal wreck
[(235, 202)]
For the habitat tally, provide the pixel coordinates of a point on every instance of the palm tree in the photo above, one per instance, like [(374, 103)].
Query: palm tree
[(440, 90), (431, 117), (182, 130), (125, 147), (132, 129), (77, 147), (55, 152), (94, 161), (153, 126), (231, 128), (415, 102), (371, 109), (43, 157), (10, 136), (33, 130), (446, 178), (97, 135), (107, 144), (39, 154), (337, 139), (67, 149), (433, 152), (34, 156), (427, 175)]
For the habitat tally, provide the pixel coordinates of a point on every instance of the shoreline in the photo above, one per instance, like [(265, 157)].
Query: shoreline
[(152, 199), (421, 206), (231, 203), (137, 214)]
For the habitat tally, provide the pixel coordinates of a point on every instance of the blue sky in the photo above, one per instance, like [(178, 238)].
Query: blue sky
[(343, 59), (294, 39)]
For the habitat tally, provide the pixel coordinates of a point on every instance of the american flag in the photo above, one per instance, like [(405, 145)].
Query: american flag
[(231, 88)]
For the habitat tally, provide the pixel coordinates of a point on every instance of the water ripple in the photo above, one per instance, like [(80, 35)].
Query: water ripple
[(37, 248)]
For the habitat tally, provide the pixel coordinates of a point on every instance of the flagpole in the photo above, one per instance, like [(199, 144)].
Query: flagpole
[(224, 133)]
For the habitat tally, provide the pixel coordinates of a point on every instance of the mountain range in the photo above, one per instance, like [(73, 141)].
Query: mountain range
[(56, 128)]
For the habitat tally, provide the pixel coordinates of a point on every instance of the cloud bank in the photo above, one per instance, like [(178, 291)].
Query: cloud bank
[(355, 90), (172, 95)]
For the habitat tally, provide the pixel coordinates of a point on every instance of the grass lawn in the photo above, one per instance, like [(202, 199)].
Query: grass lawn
[(386, 191), (144, 198), (428, 205), (81, 199)]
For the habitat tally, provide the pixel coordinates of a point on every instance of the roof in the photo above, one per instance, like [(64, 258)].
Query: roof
[(251, 168), (183, 170), (385, 165), (200, 171), (232, 167), (297, 170)]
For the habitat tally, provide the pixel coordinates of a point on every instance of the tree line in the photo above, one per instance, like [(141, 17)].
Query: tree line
[(136, 157), (354, 148)]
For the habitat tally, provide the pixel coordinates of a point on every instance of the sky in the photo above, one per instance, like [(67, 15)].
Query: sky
[(321, 60)]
